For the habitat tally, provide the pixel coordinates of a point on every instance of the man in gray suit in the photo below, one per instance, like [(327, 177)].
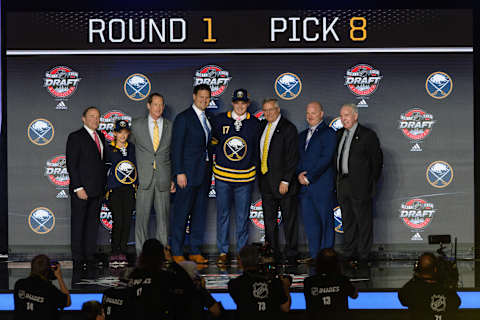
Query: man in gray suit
[(152, 136)]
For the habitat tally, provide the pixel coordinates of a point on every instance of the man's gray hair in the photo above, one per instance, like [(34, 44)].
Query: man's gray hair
[(268, 100), (352, 106)]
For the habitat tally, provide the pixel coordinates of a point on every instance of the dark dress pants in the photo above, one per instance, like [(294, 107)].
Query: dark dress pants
[(84, 227)]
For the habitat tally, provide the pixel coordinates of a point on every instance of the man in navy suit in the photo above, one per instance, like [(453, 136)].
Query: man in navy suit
[(316, 175), (86, 169), (191, 161)]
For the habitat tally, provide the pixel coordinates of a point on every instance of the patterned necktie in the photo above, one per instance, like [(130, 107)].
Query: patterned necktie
[(156, 136), (97, 141), (309, 136), (264, 167)]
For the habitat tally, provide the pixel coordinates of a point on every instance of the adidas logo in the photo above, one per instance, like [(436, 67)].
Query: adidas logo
[(416, 237), (62, 195), (362, 104), (416, 147), (212, 193), (61, 106)]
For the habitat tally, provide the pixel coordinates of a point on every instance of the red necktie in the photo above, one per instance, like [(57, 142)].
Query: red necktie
[(97, 141)]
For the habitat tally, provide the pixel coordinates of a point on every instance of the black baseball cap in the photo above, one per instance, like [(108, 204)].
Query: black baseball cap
[(121, 124), (240, 95)]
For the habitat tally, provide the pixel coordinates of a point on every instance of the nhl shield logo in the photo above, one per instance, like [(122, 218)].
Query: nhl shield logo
[(288, 86), (260, 290), (439, 85), (137, 86), (235, 148), (41, 220), (438, 303), (40, 132), (439, 174), (125, 172)]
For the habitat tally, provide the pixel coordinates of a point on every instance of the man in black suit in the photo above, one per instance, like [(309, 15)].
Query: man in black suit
[(277, 179), (86, 169), (359, 161)]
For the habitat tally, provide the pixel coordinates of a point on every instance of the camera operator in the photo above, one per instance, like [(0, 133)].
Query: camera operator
[(36, 297), (326, 292), (152, 284), (258, 295), (425, 295)]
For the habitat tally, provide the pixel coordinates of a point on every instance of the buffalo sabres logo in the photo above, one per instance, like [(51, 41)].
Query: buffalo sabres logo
[(337, 216), (288, 86), (260, 290), (438, 303), (439, 174), (439, 85), (40, 132), (336, 124), (41, 220), (125, 172), (235, 148), (137, 86)]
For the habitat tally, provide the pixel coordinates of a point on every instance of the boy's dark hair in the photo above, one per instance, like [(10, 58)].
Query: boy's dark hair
[(327, 262), (152, 257), (40, 266), (91, 309), (249, 256)]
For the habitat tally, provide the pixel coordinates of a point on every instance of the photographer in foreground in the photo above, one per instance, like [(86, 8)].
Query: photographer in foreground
[(36, 297), (426, 296), (258, 295)]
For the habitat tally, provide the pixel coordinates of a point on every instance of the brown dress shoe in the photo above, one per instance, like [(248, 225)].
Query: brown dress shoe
[(178, 259), (222, 259), (197, 258)]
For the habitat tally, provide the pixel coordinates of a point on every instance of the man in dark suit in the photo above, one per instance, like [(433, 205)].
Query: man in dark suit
[(359, 161), (192, 172), (316, 175), (277, 180), (86, 169)]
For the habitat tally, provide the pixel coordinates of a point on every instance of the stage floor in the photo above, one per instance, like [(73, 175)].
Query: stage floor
[(382, 275)]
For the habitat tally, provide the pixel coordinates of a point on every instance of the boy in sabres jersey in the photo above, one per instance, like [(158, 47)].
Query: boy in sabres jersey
[(121, 186), (235, 134)]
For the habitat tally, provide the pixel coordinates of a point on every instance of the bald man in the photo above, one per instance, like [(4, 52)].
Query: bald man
[(316, 175)]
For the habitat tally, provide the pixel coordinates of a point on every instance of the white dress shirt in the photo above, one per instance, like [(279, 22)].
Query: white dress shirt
[(151, 126), (199, 112)]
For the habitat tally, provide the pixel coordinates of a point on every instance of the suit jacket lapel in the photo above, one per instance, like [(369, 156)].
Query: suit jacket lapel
[(91, 142), (164, 131), (146, 134)]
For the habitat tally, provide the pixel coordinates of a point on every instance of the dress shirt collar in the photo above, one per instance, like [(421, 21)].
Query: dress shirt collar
[(150, 119), (197, 110), (274, 123), (316, 126), (90, 131), (353, 128)]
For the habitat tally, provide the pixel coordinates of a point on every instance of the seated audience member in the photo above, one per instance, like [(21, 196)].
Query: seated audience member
[(118, 301), (201, 298), (36, 297), (258, 295), (92, 310), (426, 296), (326, 292), (152, 284)]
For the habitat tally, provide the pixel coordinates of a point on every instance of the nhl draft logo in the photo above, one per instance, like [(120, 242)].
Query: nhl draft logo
[(61, 82), (260, 290), (416, 125), (439, 174), (137, 87), (56, 171), (125, 172), (256, 215), (362, 80), (107, 122), (288, 86), (417, 213), (41, 220), (214, 76), (337, 216), (439, 85), (438, 303), (40, 132), (106, 217), (336, 124), (235, 148)]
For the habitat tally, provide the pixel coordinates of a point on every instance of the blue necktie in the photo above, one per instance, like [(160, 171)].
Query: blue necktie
[(207, 132)]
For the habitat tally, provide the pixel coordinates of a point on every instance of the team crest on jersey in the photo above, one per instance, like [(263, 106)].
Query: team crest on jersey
[(416, 124), (41, 220), (125, 172), (260, 290), (235, 148), (40, 132), (362, 80), (256, 215), (438, 303), (107, 122), (439, 85), (439, 174), (215, 77), (137, 86), (288, 86), (417, 213), (106, 218), (337, 216), (336, 124), (61, 82), (56, 171)]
